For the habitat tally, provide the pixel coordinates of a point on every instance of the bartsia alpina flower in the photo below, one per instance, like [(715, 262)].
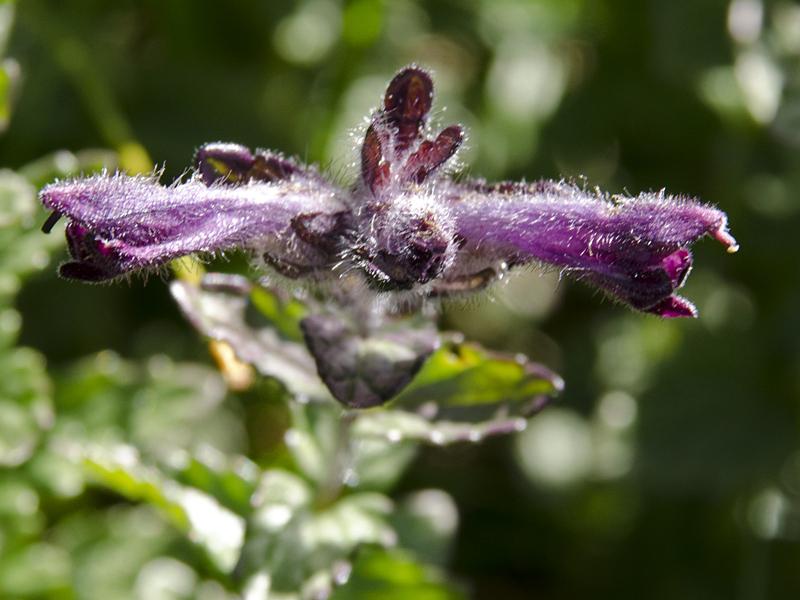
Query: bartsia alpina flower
[(406, 225)]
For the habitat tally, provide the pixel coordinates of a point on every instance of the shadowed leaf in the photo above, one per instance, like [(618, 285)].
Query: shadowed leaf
[(220, 315)]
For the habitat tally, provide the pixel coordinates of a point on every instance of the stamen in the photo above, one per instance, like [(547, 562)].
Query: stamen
[(51, 221)]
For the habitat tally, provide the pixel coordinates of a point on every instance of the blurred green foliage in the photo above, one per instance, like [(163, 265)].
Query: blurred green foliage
[(671, 469)]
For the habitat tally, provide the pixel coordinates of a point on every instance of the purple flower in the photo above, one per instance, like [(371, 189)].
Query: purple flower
[(635, 249), (405, 226), (119, 224)]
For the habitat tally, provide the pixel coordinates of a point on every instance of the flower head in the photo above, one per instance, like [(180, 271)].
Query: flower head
[(405, 226)]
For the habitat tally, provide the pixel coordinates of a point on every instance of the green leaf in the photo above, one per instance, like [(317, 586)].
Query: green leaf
[(95, 392), (284, 313), (38, 570), (9, 68), (9, 73), (314, 440), (173, 414), (178, 406), (295, 547), (161, 406), (320, 444), (463, 393), (230, 479), (467, 391), (7, 10), (54, 474), (394, 575), (464, 374), (109, 548), (205, 521), (20, 517), (25, 404), (400, 427), (377, 464)]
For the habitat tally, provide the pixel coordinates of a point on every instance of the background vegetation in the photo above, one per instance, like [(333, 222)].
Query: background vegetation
[(670, 466)]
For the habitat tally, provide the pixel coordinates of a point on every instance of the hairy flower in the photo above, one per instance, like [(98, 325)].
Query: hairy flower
[(118, 223), (635, 249), (404, 226)]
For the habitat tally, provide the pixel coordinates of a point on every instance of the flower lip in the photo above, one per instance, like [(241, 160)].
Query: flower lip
[(674, 307), (94, 259), (677, 266)]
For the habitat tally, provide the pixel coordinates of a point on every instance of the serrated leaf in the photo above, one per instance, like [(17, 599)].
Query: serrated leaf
[(400, 427), (463, 393), (295, 547)]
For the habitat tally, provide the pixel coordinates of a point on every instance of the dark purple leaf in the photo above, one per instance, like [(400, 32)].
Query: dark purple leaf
[(365, 370)]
